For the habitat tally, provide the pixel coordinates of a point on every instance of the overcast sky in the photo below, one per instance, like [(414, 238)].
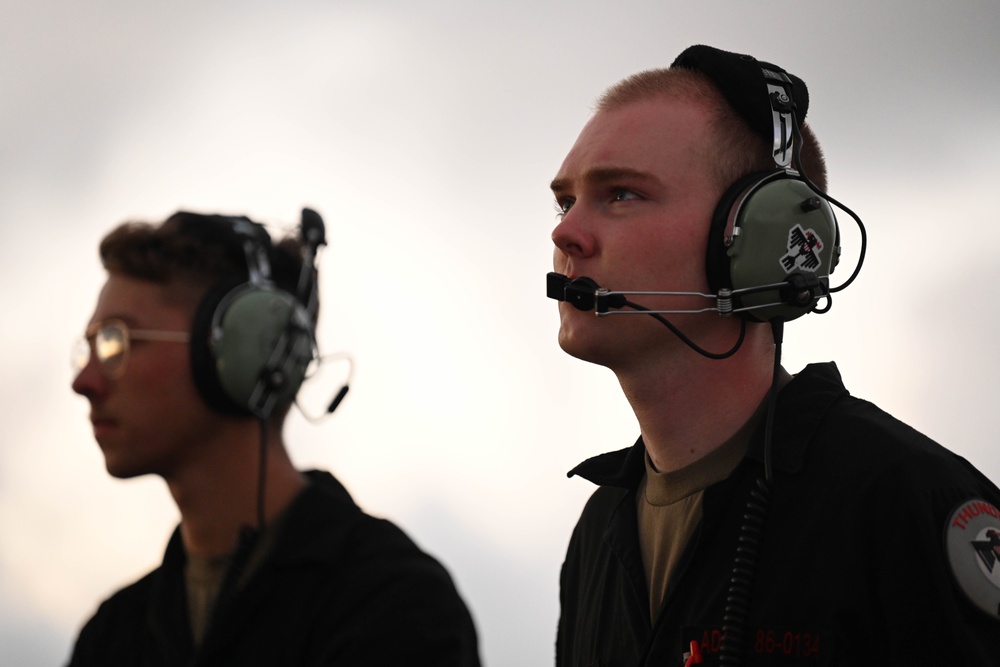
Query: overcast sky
[(426, 134)]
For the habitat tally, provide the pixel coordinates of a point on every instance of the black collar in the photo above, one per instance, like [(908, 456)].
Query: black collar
[(802, 406)]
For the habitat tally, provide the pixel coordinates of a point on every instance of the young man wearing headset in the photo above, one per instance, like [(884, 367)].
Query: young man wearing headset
[(199, 341), (760, 518)]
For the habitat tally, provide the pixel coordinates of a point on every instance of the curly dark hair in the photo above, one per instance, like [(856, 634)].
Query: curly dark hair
[(196, 252)]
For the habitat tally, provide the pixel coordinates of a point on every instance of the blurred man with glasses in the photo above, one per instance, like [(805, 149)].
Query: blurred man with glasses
[(269, 565)]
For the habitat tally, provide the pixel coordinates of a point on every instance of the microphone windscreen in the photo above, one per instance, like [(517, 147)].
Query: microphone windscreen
[(555, 286), (313, 229)]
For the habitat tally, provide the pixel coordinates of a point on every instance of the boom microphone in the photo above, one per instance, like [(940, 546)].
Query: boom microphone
[(312, 236), (583, 293)]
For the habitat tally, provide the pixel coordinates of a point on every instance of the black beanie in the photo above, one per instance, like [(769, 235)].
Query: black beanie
[(741, 80)]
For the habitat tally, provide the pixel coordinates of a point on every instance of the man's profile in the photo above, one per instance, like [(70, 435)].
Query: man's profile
[(761, 517), (199, 342)]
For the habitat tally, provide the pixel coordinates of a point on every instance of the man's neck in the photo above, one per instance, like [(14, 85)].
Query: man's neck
[(687, 410), (218, 495)]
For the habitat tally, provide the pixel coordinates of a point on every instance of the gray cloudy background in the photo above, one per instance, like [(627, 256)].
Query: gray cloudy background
[(426, 134)]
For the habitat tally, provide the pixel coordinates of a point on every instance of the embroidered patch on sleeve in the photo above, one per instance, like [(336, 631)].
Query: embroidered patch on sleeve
[(972, 540)]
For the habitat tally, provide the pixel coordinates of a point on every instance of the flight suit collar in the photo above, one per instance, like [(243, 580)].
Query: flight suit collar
[(802, 406)]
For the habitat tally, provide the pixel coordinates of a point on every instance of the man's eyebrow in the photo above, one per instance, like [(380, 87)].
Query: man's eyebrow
[(605, 175)]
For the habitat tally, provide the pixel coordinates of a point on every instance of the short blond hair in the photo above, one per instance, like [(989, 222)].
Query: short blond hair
[(738, 150)]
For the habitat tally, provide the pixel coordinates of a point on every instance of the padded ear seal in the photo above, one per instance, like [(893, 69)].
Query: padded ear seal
[(203, 366), (723, 220)]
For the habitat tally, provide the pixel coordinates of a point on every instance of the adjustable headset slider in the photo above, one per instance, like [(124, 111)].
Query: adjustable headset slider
[(728, 240)]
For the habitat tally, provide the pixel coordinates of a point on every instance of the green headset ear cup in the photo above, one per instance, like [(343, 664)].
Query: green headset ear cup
[(786, 227), (238, 331), (716, 257), (767, 210)]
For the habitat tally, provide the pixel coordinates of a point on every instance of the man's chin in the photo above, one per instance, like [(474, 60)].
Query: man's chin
[(582, 348), (120, 468), (119, 471)]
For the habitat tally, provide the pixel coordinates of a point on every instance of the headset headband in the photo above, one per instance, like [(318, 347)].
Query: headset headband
[(755, 90), (256, 243)]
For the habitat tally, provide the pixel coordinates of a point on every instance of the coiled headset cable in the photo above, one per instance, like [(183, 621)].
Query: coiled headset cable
[(741, 582)]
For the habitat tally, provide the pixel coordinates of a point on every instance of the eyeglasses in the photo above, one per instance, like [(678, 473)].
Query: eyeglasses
[(110, 342)]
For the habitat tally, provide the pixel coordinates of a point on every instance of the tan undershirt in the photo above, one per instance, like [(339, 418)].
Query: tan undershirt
[(204, 576), (668, 506)]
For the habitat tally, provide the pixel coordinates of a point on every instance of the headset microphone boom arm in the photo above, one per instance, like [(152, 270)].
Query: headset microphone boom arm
[(584, 293)]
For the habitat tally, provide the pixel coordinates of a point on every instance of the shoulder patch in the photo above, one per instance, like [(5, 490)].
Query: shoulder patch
[(972, 541)]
